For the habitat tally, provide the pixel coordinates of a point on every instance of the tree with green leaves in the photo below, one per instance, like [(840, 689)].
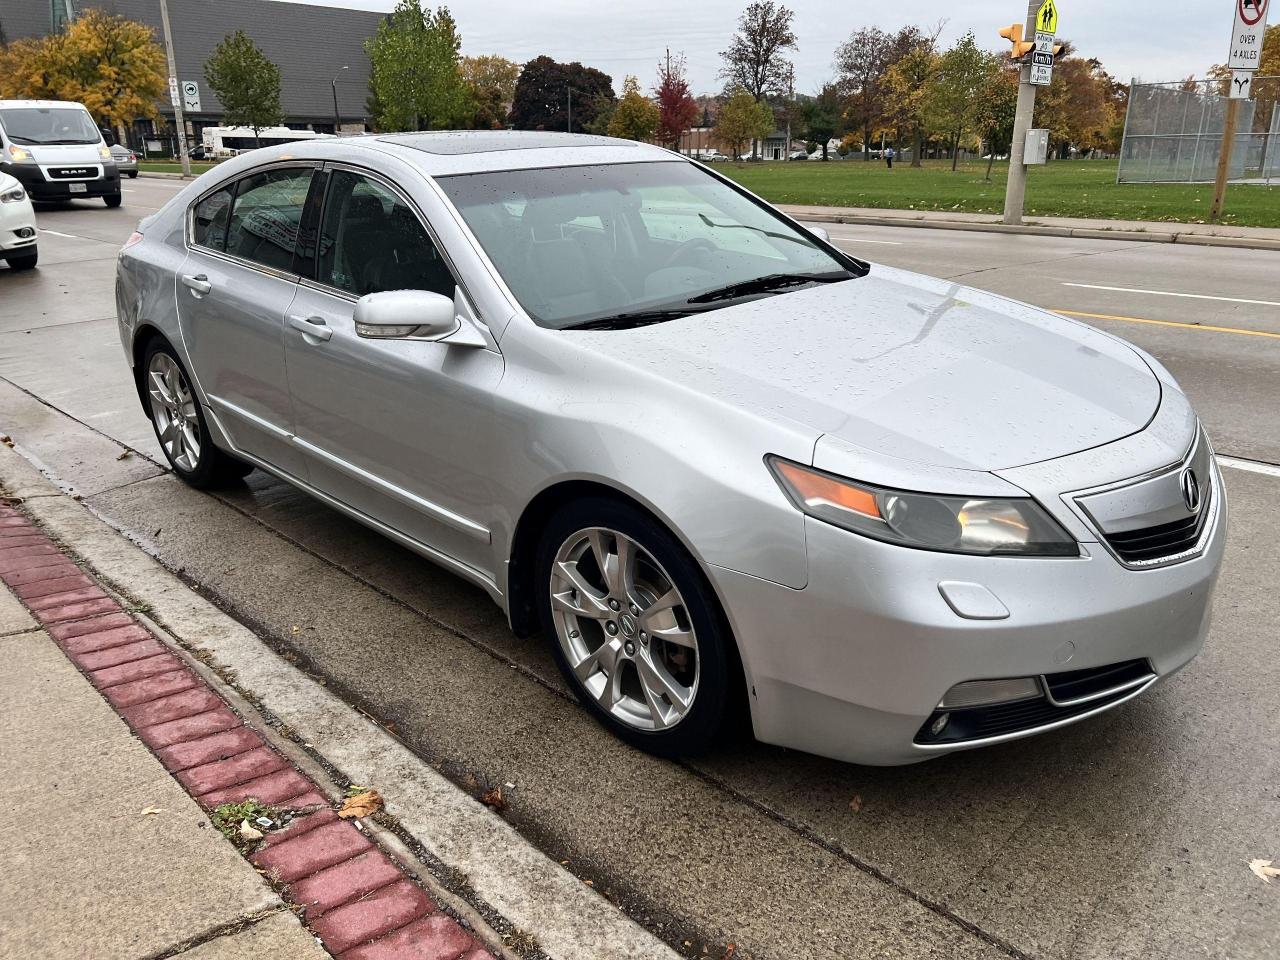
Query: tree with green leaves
[(999, 104), (743, 119), (491, 82), (862, 62), (906, 85), (416, 80), (953, 101), (821, 116), (246, 83), (636, 117), (754, 61)]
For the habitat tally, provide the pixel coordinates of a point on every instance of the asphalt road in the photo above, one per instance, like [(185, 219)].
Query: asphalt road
[(1125, 836)]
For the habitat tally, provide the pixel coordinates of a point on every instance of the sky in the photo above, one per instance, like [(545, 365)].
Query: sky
[(1148, 41)]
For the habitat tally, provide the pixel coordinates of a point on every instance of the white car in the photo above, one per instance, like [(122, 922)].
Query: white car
[(17, 225)]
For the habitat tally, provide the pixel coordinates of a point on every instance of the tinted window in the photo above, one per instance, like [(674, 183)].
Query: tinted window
[(266, 215), (372, 241), (209, 220)]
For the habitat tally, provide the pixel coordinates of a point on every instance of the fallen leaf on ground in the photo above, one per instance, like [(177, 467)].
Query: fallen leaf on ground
[(126, 455), (731, 952), (495, 799), (7, 440), (248, 832), (152, 811), (1263, 870), (856, 803), (361, 805)]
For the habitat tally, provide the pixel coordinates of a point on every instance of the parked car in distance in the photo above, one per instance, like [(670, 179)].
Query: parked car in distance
[(56, 151), (798, 155), (731, 473), (17, 225), (126, 160)]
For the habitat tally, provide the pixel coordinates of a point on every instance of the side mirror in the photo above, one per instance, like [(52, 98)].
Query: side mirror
[(396, 314), (821, 234)]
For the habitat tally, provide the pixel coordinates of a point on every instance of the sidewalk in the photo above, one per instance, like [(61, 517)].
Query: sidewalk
[(1148, 231), (106, 856), (117, 856), (115, 853)]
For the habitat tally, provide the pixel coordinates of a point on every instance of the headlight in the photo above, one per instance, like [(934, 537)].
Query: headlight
[(19, 154), (104, 152), (13, 196), (977, 525)]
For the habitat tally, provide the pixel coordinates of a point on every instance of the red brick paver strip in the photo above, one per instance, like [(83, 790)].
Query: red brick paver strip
[(355, 898)]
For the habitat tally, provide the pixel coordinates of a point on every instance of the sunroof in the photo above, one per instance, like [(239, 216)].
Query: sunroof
[(455, 142)]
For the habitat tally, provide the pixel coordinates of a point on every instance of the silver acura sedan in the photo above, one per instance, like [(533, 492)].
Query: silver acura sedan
[(725, 468)]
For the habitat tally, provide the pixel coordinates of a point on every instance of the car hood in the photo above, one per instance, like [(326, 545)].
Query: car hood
[(909, 367)]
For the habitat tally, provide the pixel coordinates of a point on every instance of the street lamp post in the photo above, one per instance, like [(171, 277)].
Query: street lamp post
[(337, 122)]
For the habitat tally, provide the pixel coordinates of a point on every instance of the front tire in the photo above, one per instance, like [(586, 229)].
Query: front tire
[(133, 174), (635, 628), (114, 200), (180, 425)]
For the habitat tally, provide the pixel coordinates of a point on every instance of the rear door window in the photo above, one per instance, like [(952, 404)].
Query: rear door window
[(209, 219), (266, 215)]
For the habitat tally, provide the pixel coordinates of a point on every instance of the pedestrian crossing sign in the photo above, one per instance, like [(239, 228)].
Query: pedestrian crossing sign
[(1047, 17)]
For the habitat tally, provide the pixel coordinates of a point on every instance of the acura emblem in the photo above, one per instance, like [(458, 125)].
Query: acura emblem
[(1190, 490)]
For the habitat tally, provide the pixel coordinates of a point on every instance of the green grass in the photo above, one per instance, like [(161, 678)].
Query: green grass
[(162, 166), (1062, 188)]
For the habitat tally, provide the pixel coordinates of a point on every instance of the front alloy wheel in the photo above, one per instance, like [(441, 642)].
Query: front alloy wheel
[(624, 629), (635, 627)]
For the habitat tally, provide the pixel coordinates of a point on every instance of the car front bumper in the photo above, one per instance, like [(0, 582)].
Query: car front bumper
[(855, 665), (38, 188), (17, 219)]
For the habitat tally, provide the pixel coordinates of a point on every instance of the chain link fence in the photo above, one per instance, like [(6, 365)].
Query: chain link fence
[(1173, 132)]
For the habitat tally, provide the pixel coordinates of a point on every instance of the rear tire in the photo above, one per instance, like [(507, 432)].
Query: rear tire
[(179, 423), (648, 652), (24, 262), (114, 200)]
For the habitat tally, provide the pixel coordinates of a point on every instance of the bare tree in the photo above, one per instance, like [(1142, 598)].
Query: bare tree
[(754, 60), (862, 62)]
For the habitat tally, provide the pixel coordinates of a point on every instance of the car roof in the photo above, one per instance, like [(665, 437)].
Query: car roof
[(476, 151)]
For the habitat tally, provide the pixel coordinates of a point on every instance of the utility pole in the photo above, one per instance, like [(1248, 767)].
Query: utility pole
[(337, 121), (1016, 188), (1224, 160), (179, 123), (568, 124)]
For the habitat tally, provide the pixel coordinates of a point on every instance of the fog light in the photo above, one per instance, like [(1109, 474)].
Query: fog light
[(940, 724), (25, 232), (977, 693)]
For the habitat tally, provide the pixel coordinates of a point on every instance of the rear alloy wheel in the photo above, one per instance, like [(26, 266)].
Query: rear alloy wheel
[(180, 426), (637, 633)]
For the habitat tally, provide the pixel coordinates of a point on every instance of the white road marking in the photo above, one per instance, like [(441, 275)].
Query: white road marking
[(1252, 466), (1170, 293), (888, 243), (69, 236)]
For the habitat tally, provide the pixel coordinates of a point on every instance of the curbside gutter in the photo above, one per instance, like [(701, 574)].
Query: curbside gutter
[(1123, 230), (505, 879)]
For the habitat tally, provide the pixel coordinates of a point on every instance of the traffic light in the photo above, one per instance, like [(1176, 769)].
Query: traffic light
[(1013, 33)]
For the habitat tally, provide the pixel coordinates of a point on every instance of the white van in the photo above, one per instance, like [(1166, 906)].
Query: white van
[(56, 151)]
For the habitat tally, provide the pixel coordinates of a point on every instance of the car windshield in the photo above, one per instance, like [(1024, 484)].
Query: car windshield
[(624, 244), (48, 125)]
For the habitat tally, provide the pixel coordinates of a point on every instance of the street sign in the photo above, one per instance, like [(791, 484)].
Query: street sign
[(1042, 58), (1047, 16), (1246, 34), (190, 96), (174, 96), (1241, 84)]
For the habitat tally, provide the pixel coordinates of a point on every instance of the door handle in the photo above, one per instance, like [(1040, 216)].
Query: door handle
[(198, 284), (311, 327)]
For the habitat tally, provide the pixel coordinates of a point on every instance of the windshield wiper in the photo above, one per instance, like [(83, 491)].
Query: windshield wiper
[(765, 284), (760, 230), (626, 321)]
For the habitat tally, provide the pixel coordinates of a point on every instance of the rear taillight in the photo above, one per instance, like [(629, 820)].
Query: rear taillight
[(134, 238)]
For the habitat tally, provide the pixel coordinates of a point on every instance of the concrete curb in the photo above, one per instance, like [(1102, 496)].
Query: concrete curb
[(516, 882), (1042, 230), (159, 175)]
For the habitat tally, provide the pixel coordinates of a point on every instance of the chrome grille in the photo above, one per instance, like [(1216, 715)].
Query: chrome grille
[(1164, 540)]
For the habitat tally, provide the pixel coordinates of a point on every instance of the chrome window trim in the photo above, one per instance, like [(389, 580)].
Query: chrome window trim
[(1212, 506), (1110, 691), (189, 218)]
